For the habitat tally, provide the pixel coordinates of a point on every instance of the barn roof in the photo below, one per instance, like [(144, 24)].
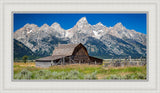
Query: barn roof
[(65, 49), (50, 58)]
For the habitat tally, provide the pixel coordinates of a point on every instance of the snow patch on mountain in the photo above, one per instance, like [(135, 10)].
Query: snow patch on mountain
[(29, 31)]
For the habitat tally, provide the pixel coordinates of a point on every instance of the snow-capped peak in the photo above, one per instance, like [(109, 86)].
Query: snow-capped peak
[(26, 25), (30, 25), (100, 24), (44, 25), (55, 24), (83, 20), (119, 25)]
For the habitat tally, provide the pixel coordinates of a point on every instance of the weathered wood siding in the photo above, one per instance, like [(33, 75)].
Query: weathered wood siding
[(80, 55), (43, 64), (96, 60)]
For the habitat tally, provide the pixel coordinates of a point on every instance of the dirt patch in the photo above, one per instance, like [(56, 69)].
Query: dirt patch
[(100, 76)]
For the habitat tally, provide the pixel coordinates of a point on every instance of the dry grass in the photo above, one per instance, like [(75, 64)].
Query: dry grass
[(100, 76), (30, 64)]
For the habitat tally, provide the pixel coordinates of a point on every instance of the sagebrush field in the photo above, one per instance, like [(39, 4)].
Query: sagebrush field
[(28, 71)]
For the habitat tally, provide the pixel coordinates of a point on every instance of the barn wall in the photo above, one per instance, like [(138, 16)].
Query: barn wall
[(43, 64), (81, 54), (98, 61)]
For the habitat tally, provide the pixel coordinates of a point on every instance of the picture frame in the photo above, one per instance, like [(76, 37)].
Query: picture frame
[(152, 85)]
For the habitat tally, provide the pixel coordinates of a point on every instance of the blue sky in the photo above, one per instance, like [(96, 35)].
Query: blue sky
[(134, 21)]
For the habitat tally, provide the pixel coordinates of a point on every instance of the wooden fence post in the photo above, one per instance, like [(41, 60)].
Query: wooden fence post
[(138, 63), (95, 62), (141, 61), (125, 64), (63, 60), (112, 62), (51, 62), (120, 63), (145, 61), (129, 60), (88, 61)]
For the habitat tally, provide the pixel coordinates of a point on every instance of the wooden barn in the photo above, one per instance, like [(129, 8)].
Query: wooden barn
[(68, 54)]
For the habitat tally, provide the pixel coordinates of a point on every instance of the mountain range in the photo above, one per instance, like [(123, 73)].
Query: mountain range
[(101, 41)]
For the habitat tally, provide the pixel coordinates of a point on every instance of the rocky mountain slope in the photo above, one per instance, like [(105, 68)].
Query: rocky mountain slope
[(100, 41), (21, 50)]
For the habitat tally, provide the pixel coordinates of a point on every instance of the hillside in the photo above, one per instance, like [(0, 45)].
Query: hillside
[(20, 50)]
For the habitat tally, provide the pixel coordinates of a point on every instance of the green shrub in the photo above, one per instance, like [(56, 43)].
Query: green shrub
[(91, 76), (55, 75), (113, 77), (43, 74), (135, 76), (73, 74), (24, 74), (141, 76), (129, 76), (88, 76)]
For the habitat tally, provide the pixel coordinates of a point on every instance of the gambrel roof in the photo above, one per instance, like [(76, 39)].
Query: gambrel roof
[(63, 50)]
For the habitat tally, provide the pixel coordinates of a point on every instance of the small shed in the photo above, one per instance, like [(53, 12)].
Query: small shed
[(68, 54)]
